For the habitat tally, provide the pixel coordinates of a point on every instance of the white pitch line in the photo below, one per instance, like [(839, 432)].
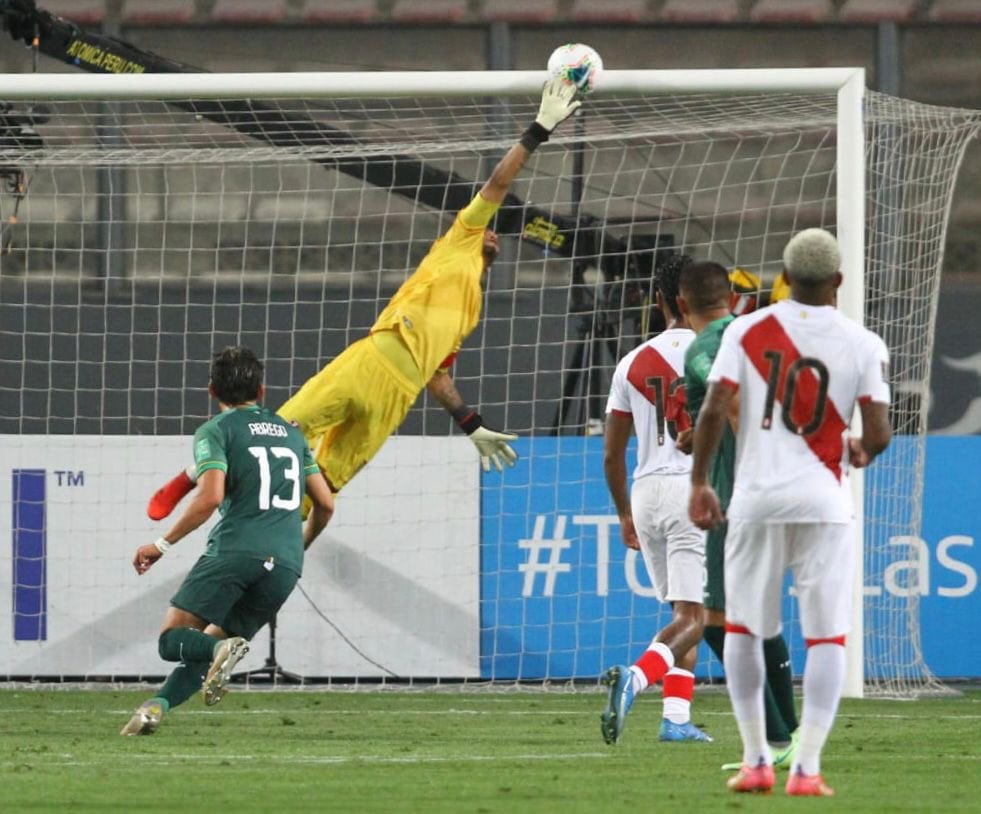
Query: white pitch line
[(333, 760), (325, 712), (474, 712), (183, 760)]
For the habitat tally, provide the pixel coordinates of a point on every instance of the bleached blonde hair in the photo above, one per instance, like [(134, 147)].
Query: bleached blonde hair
[(812, 256)]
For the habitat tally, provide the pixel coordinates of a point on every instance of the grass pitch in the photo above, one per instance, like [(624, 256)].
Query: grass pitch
[(457, 752)]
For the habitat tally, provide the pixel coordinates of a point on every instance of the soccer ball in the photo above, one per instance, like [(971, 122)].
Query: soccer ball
[(577, 64)]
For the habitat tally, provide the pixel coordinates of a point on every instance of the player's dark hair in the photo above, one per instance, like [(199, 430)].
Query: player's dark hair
[(704, 285), (666, 278), (236, 374)]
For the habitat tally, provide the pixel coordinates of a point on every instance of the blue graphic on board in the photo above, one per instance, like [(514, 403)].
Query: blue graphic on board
[(561, 597), (30, 606), (946, 577), (560, 594)]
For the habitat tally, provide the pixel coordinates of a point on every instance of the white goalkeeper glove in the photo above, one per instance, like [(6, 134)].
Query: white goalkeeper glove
[(494, 448), (492, 445), (558, 103)]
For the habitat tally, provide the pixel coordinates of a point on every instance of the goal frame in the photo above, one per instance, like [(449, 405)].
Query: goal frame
[(847, 83)]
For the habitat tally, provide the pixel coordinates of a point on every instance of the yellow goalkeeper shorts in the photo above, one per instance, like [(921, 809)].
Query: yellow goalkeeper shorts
[(349, 409)]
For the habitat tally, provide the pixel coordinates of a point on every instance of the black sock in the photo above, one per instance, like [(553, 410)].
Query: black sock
[(780, 679), (776, 728), (715, 636)]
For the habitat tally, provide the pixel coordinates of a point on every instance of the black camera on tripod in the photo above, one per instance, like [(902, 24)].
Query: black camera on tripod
[(613, 305)]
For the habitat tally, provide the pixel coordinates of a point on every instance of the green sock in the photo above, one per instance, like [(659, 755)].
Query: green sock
[(183, 682), (186, 644), (780, 679), (776, 729), (715, 636)]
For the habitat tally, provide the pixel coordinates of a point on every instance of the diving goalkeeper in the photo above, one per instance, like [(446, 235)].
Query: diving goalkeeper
[(348, 409)]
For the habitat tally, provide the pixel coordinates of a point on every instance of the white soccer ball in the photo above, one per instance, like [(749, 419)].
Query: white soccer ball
[(577, 64)]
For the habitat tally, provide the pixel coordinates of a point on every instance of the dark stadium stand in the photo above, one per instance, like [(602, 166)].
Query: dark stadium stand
[(699, 12), (955, 11), (429, 11), (791, 11), (612, 11), (249, 11), (520, 11), (592, 12), (158, 12), (83, 12), (338, 11), (877, 11)]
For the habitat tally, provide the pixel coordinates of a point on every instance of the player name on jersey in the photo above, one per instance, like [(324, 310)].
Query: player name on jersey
[(267, 428)]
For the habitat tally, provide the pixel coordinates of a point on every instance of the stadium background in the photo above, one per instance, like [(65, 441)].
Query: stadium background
[(926, 51)]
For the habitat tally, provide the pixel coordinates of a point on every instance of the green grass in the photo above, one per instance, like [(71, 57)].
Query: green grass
[(454, 752)]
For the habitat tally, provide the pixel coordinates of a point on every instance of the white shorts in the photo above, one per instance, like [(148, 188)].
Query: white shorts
[(673, 547), (821, 557)]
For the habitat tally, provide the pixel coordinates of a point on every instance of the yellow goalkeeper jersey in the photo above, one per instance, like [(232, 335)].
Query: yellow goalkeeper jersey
[(439, 305)]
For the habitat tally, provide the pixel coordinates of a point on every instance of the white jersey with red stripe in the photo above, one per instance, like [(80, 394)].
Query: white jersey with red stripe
[(800, 370), (649, 385)]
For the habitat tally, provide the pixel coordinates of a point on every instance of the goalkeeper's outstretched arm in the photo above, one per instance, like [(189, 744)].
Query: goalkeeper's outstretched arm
[(492, 445), (558, 103)]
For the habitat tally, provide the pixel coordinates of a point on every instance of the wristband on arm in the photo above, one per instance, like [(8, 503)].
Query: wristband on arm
[(533, 136), (467, 418), (162, 545)]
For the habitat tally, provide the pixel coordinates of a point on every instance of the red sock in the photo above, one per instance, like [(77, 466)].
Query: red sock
[(655, 662), (166, 498), (679, 684), (679, 687)]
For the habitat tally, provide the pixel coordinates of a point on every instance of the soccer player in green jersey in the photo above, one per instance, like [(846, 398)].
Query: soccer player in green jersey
[(704, 298), (255, 467)]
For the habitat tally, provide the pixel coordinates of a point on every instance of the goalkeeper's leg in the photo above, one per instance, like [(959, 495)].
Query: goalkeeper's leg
[(166, 498), (319, 404), (350, 409)]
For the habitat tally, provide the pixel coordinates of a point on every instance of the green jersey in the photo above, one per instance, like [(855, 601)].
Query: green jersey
[(266, 462), (698, 362)]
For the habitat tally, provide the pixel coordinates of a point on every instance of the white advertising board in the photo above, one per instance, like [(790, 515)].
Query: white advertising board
[(391, 588)]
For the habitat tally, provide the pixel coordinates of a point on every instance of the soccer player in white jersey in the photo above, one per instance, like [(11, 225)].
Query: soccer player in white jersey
[(800, 367), (648, 394)]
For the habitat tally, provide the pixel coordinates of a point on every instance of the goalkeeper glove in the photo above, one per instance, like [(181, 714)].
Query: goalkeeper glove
[(491, 445), (558, 103)]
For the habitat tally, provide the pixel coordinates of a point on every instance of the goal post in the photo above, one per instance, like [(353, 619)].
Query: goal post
[(850, 207), (382, 84), (282, 210)]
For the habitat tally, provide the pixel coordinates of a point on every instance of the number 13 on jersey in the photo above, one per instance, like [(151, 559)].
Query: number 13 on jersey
[(292, 474)]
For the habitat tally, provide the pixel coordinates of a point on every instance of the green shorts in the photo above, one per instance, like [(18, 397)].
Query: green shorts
[(239, 594), (715, 557)]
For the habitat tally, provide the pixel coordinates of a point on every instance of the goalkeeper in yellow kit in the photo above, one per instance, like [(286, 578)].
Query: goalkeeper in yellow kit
[(356, 402)]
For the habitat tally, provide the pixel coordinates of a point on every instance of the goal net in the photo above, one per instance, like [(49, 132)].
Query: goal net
[(144, 229)]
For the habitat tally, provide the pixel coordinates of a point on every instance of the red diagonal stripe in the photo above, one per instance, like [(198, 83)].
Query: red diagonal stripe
[(826, 441), (649, 363)]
